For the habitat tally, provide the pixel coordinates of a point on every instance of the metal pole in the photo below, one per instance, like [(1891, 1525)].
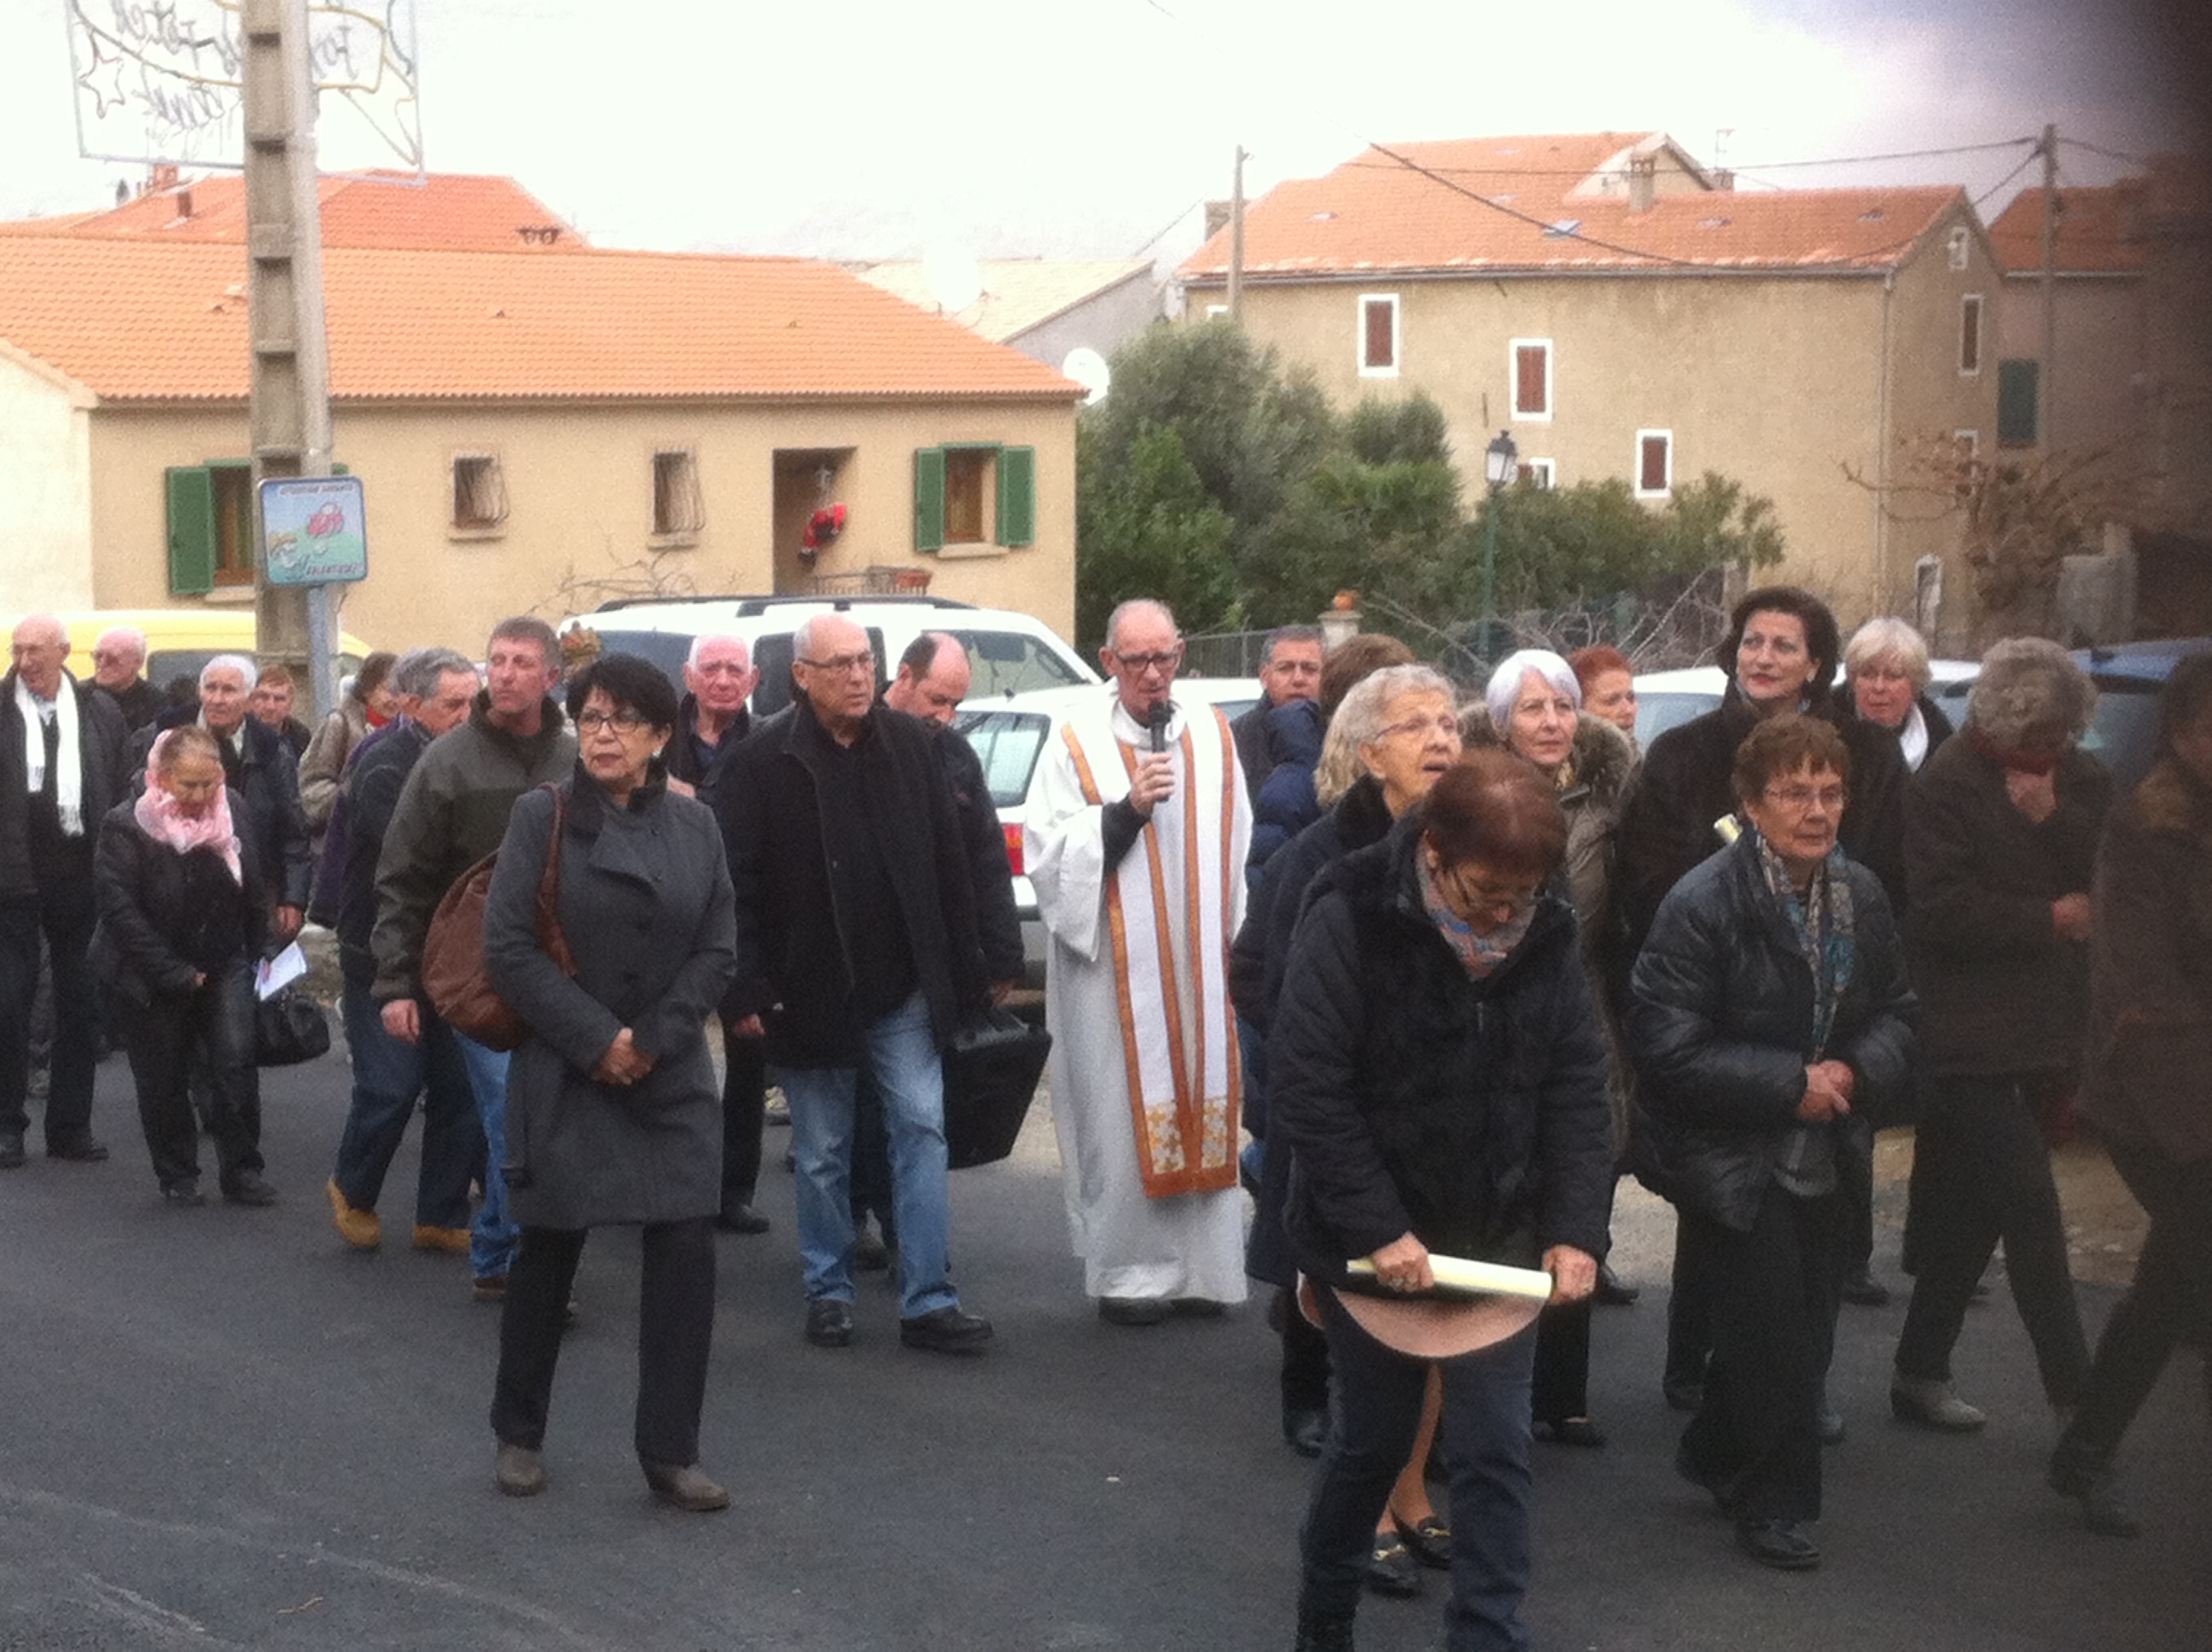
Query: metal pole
[(2051, 208), (1489, 566), (1237, 241)]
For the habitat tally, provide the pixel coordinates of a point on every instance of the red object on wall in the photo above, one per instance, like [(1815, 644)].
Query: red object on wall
[(822, 528)]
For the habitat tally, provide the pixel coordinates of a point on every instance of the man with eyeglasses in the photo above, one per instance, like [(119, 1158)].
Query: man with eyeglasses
[(1290, 673), (856, 944), (711, 723), (1136, 847), (118, 658), (451, 813)]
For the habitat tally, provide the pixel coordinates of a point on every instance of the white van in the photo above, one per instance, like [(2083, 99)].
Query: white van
[(1008, 652)]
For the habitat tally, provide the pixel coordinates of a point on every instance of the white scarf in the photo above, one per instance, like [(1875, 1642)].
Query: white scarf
[(68, 764)]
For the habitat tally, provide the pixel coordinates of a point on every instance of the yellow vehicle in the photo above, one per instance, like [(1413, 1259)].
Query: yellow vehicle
[(178, 640)]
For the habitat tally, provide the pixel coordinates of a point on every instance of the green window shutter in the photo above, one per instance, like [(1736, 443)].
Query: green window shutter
[(341, 469), (1016, 513), (929, 499), (2017, 384), (192, 530)]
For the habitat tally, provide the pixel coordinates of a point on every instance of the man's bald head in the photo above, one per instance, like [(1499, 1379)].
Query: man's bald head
[(38, 645), (933, 678)]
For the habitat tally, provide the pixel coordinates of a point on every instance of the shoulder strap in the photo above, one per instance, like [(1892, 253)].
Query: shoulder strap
[(549, 933)]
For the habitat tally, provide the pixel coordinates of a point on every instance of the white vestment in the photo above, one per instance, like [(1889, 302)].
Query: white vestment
[(1146, 1083)]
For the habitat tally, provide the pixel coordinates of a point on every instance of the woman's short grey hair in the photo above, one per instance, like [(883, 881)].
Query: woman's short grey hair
[(2029, 692), (248, 672), (1361, 719), (1505, 682), (417, 673), (1885, 638)]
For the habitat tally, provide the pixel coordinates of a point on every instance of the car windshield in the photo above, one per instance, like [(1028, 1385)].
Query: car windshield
[(667, 649), (1007, 662), (1008, 743), (1657, 712), (2125, 730)]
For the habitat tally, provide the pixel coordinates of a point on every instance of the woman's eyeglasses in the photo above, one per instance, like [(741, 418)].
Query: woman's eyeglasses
[(624, 721)]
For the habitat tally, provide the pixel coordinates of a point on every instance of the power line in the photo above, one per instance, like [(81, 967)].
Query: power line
[(1762, 166), (1164, 228), (2109, 155)]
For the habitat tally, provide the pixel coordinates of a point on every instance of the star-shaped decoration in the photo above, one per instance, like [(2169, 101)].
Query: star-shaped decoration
[(102, 77)]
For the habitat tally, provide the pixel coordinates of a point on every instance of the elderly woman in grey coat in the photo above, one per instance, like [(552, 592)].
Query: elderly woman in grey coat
[(614, 1118)]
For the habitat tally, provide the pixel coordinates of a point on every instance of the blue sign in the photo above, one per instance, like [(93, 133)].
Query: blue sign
[(313, 530)]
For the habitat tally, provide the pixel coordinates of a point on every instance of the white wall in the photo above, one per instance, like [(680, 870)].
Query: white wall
[(45, 490)]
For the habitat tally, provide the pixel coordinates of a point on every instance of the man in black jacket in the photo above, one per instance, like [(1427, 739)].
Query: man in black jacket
[(117, 658), (856, 943), (61, 769)]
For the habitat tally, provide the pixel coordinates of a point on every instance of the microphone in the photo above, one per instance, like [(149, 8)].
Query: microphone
[(1157, 719)]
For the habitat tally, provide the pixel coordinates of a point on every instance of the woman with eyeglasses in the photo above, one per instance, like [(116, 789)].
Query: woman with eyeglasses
[(1436, 1071), (1534, 708), (613, 1116), (1768, 1007)]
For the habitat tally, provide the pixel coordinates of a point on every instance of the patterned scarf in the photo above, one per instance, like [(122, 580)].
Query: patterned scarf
[(1827, 930), (164, 820), (1480, 954)]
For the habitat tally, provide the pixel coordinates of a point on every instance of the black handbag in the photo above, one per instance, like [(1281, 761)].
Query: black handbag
[(991, 1072), (289, 1029)]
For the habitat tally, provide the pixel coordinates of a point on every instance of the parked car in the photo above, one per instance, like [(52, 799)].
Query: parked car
[(1665, 699), (179, 641), (1009, 652), (1011, 736)]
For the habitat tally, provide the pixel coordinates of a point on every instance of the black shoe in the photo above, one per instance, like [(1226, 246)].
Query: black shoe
[(1569, 1430), (1781, 1543), (1135, 1310), (870, 1254), (738, 1216), (78, 1149), (185, 1194), (1429, 1538), (1323, 1631), (2088, 1478), (946, 1331), (11, 1150), (247, 1187), (829, 1323), (1612, 1291), (1715, 1486), (1683, 1394), (1307, 1432), (684, 1485), (1391, 1568), (1861, 1286), (1829, 1423)]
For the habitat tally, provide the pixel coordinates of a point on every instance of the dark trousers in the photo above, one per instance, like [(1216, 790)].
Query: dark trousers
[(1981, 1172), (1756, 1438), (1484, 1434), (61, 910), (744, 1111), (1855, 1181), (872, 1158), (216, 1023), (1690, 1303), (2169, 1303), (1560, 1384), (387, 1077), (1303, 1375), (675, 1331)]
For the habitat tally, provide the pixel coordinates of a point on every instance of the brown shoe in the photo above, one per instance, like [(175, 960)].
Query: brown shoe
[(517, 1471), (454, 1242), (358, 1228), (683, 1486)]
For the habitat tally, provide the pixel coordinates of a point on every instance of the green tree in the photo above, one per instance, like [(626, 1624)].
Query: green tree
[(1146, 527), (1351, 525)]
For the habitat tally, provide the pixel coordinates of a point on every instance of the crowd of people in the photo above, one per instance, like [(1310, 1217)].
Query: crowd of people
[(1454, 968)]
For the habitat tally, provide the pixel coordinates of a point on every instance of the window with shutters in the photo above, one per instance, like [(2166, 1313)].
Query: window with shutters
[(2018, 385), (210, 522), (479, 495), (1540, 474), (1378, 335), (678, 510), (1530, 364), (974, 496), (1654, 464), (1970, 334)]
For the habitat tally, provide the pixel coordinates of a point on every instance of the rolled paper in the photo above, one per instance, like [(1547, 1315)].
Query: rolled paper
[(1463, 1273)]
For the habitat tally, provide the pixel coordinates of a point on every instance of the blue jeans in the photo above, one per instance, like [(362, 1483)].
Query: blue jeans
[(387, 1077), (1483, 1435), (492, 1237), (902, 1052)]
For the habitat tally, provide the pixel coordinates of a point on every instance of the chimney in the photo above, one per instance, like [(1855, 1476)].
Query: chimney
[(1643, 181), (163, 176), (184, 204), (1217, 218), (1723, 180)]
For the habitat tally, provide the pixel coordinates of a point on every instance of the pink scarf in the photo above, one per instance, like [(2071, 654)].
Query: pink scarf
[(164, 820)]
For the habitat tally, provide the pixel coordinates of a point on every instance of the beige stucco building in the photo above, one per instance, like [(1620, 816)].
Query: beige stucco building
[(537, 427), (1624, 312)]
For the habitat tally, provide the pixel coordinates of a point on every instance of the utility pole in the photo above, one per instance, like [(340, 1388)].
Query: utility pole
[(2051, 208), (1237, 241), (289, 418)]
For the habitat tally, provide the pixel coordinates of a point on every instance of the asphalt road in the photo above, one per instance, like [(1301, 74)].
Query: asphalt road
[(221, 1428)]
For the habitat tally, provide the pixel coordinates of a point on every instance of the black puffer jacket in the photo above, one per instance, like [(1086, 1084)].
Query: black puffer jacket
[(165, 916), (1414, 1098), (266, 779), (2002, 993), (1719, 1024)]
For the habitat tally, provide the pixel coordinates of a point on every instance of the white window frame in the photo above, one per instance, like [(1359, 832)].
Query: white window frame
[(1969, 441), (1359, 337), (1215, 312), (1636, 465), (1981, 311), (1543, 474), (1513, 348)]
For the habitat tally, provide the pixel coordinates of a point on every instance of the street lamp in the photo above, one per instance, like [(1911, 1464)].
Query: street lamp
[(1501, 464)]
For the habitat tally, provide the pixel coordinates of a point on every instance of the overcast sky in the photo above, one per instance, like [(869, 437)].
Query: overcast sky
[(1093, 128)]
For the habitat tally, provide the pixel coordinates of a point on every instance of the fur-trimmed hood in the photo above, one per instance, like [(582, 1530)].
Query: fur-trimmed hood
[(1603, 759)]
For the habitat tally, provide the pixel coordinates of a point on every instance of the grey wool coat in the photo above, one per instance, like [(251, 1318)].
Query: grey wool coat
[(646, 908)]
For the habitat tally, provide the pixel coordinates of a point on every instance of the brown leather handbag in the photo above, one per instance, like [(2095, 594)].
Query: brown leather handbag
[(453, 977)]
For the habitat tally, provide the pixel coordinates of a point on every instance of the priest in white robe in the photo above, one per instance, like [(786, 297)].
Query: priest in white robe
[(1135, 845)]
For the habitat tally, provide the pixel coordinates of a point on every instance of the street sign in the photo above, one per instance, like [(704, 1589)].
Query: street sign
[(313, 531)]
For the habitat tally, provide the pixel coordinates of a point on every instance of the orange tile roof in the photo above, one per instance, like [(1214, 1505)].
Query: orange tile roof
[(1375, 215), (167, 322), (455, 211), (2099, 229)]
